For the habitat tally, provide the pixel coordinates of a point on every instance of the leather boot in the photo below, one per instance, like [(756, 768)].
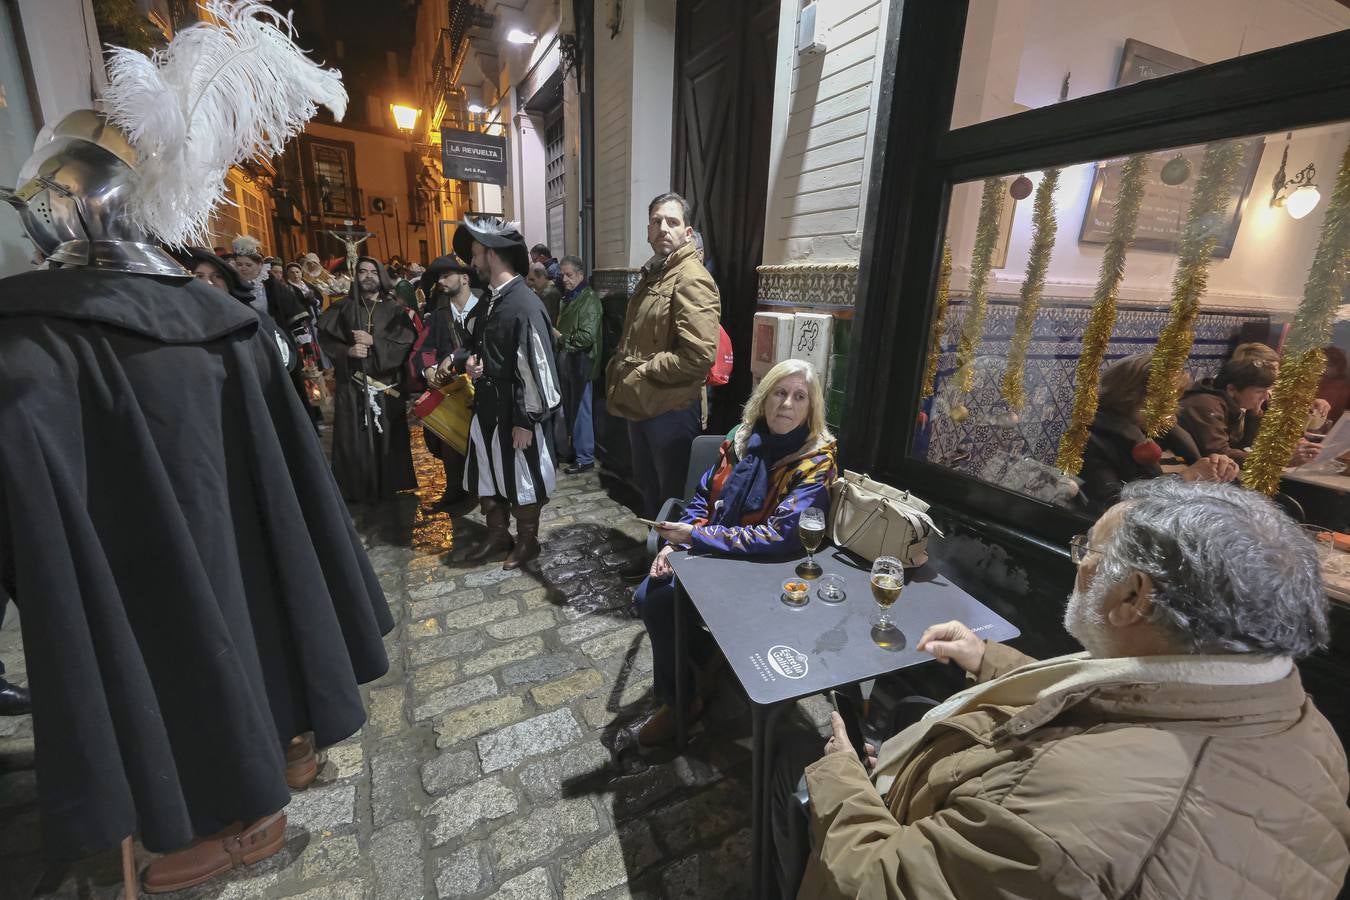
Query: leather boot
[(207, 857), (498, 537), (527, 535), (302, 763)]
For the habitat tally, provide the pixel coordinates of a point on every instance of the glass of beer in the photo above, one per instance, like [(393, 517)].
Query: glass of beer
[(811, 529), (888, 580)]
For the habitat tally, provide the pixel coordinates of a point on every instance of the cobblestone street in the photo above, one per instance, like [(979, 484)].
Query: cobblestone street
[(498, 759)]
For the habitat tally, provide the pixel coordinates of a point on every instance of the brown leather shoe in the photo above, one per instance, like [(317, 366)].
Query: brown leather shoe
[(527, 536), (302, 763), (660, 728), (207, 857), (498, 537)]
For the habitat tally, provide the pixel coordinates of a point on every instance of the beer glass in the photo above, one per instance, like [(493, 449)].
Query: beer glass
[(811, 529)]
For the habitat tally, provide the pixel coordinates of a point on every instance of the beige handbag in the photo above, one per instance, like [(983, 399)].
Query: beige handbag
[(871, 519)]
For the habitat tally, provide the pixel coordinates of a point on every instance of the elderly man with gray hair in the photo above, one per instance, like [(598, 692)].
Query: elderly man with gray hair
[(1177, 757)]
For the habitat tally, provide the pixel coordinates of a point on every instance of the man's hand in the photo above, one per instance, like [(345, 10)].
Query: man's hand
[(661, 565), (954, 641), (1304, 452), (675, 532), (358, 351), (363, 337), (474, 367), (839, 742), (1215, 467), (521, 437)]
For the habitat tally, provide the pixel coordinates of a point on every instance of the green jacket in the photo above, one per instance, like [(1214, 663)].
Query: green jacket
[(579, 322)]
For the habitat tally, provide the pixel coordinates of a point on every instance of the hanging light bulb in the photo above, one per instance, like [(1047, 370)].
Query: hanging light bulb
[(1302, 201)]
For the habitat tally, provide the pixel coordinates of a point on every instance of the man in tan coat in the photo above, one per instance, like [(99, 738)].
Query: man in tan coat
[(656, 377), (1179, 757)]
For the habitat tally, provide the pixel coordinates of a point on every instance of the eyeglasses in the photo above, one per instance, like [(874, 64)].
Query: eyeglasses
[(1079, 548)]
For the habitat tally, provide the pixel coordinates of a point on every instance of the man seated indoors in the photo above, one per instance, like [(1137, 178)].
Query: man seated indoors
[(1178, 757)]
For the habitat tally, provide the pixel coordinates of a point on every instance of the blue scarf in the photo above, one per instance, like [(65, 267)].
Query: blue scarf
[(747, 486), (572, 294)]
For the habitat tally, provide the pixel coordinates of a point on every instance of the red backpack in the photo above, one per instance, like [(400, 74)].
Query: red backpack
[(724, 362)]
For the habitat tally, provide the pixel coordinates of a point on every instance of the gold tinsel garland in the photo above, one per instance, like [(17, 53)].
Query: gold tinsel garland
[(939, 324), (1304, 361), (1204, 220), (986, 237), (1102, 320), (1042, 244)]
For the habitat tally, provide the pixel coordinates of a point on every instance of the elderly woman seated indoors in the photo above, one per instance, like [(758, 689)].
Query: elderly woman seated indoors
[(1119, 452), (776, 463)]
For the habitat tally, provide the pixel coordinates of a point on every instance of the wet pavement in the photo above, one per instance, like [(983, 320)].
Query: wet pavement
[(499, 758)]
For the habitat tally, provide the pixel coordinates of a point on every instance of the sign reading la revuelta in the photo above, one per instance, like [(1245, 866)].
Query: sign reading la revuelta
[(473, 156)]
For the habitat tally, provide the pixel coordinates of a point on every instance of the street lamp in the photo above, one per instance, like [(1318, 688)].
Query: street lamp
[(405, 117)]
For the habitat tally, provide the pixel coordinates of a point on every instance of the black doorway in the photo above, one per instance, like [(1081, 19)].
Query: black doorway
[(724, 74)]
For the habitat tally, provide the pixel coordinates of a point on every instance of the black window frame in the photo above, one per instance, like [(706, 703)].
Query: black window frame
[(917, 160)]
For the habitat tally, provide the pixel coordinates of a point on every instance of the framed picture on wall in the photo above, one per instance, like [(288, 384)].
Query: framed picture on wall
[(1162, 212)]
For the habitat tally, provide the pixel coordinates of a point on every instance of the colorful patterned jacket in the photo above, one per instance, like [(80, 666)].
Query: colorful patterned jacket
[(796, 483)]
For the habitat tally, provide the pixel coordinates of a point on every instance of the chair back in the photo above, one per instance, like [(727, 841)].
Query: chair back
[(702, 456)]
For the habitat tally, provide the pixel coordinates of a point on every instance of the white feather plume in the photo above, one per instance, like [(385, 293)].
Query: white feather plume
[(216, 95)]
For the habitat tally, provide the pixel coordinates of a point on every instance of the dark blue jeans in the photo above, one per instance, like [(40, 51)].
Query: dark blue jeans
[(660, 449), (655, 599)]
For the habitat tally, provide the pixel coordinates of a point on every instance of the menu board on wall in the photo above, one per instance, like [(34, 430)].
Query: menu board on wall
[(1162, 211)]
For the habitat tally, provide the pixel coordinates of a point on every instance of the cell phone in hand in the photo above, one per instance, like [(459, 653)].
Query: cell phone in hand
[(848, 711)]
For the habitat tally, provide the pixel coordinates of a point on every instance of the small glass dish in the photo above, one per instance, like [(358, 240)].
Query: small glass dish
[(830, 589), (796, 593)]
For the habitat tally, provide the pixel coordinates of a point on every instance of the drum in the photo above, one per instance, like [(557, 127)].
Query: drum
[(446, 411)]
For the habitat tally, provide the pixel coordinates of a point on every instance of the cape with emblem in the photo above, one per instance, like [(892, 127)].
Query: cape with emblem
[(192, 592)]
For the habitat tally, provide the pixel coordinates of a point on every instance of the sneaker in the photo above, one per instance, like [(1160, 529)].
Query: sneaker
[(578, 468)]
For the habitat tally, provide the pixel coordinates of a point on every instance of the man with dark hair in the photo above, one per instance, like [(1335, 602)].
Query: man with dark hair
[(516, 392), (1214, 412), (579, 342), (669, 341), (368, 335), (443, 348), (1179, 756), (540, 253)]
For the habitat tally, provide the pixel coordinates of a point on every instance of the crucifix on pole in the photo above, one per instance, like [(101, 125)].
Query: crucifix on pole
[(351, 237)]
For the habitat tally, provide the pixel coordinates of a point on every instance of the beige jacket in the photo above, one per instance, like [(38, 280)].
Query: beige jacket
[(1099, 787), (669, 339)]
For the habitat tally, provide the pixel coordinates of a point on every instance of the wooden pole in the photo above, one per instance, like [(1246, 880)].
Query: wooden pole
[(130, 883)]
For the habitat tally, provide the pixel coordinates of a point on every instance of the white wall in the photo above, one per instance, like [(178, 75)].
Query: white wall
[(613, 144), (651, 114), (824, 119), (1016, 56)]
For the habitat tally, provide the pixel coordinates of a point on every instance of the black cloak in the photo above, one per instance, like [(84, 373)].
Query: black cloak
[(372, 455), (193, 593)]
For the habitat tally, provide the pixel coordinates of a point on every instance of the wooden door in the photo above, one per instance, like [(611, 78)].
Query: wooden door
[(724, 72)]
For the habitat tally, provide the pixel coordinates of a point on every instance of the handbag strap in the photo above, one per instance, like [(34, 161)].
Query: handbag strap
[(865, 522)]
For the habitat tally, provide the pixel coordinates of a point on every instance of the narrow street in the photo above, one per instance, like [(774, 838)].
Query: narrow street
[(496, 761)]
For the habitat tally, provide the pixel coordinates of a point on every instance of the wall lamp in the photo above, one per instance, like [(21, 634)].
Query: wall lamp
[(516, 36), (1298, 195)]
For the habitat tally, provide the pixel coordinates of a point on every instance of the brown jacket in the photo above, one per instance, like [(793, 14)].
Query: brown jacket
[(1145, 790), (669, 339), (1217, 424)]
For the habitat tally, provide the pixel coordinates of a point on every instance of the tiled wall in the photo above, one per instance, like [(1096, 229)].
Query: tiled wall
[(1052, 359)]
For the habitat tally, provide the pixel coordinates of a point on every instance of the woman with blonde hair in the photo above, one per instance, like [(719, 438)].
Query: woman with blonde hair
[(776, 463)]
